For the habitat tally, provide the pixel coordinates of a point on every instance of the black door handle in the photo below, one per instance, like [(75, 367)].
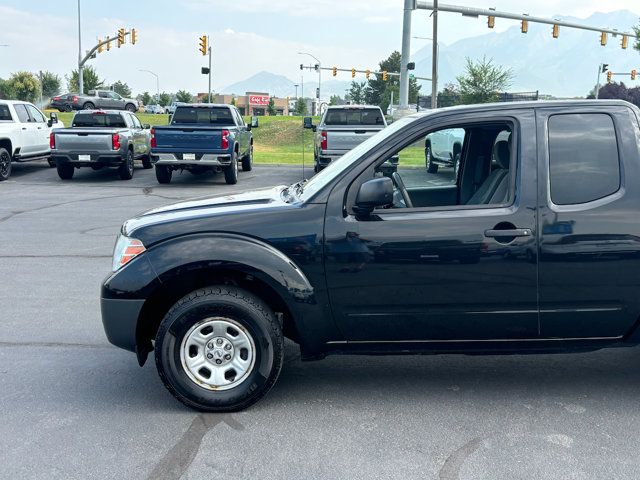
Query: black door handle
[(510, 233)]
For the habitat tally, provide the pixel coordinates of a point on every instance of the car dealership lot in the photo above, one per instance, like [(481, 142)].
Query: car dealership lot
[(75, 407)]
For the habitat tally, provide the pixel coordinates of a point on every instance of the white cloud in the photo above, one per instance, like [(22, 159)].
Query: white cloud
[(376, 19), (295, 8)]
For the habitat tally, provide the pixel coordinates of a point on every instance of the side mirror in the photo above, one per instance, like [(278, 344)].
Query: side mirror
[(254, 122), (53, 118), (374, 193), (307, 122), (249, 127), (146, 126)]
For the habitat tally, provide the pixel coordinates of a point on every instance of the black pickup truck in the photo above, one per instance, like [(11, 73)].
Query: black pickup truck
[(531, 246)]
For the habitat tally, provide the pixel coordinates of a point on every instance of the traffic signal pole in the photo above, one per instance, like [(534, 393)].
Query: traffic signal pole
[(208, 43), (409, 7), (80, 63)]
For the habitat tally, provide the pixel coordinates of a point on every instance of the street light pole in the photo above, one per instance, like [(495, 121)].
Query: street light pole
[(209, 98), (296, 85), (80, 76), (409, 6), (157, 83), (434, 57), (319, 75), (598, 82)]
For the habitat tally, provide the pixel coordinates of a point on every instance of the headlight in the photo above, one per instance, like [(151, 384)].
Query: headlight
[(126, 249)]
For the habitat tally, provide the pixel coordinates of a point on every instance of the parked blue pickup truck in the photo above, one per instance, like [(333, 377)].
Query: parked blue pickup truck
[(202, 137)]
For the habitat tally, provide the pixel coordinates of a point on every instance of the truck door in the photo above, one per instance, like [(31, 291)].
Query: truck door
[(442, 267), (589, 267), (41, 130), (28, 129)]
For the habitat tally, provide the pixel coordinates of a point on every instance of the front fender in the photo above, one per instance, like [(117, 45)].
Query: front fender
[(183, 254)]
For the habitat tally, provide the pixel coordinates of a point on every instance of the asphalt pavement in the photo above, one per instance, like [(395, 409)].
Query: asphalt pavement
[(72, 406)]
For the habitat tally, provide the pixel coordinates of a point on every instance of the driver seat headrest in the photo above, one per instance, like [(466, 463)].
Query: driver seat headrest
[(502, 153)]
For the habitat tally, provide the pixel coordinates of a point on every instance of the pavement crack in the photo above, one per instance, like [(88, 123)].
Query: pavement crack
[(178, 460), (452, 465)]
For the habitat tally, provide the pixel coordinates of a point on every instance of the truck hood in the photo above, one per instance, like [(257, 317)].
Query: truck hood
[(267, 198)]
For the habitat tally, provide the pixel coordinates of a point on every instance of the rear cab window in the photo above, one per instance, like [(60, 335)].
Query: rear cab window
[(5, 113), (584, 164), (203, 116), (354, 116), (97, 119)]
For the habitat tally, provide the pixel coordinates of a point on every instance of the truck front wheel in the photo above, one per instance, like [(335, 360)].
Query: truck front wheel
[(231, 172), (219, 349), (163, 174)]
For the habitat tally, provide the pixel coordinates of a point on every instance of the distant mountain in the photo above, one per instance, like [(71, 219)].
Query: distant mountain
[(563, 67), (281, 86)]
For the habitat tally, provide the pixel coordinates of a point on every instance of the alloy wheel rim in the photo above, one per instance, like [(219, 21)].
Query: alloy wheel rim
[(217, 353), (5, 161), (428, 157)]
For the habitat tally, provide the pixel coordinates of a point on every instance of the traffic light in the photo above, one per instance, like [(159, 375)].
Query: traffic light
[(108, 43), (120, 37), (609, 76), (316, 67), (134, 36), (491, 21), (353, 73), (634, 73), (525, 26), (367, 72), (385, 76), (334, 70), (605, 67), (556, 31), (603, 38), (301, 66), (625, 42), (100, 47), (203, 45)]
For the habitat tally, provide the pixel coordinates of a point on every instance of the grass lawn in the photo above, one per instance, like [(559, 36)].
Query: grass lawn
[(277, 140)]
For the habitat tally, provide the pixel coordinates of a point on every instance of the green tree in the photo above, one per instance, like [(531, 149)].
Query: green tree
[(50, 84), (379, 92), (165, 99), (145, 98), (233, 101), (183, 96), (482, 81), (449, 96), (336, 100), (90, 79), (357, 92), (121, 88), (637, 43), (24, 86), (6, 92), (271, 107), (301, 106)]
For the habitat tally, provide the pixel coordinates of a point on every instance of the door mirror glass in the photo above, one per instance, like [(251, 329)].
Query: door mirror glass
[(307, 122), (53, 118), (374, 193), (254, 122)]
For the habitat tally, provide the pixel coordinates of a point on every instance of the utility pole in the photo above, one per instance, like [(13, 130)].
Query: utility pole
[(603, 67), (80, 79), (409, 6), (434, 57), (208, 43)]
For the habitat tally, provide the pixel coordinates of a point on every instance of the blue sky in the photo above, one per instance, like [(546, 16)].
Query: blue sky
[(248, 35)]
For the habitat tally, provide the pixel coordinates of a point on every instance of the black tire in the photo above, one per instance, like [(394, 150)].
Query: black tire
[(247, 160), (428, 160), (126, 169), (65, 171), (130, 107), (146, 162), (163, 174), (68, 108), (5, 164), (88, 106), (231, 172), (227, 303)]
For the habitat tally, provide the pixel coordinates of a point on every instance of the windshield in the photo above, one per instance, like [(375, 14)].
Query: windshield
[(203, 115), (350, 116), (98, 120), (338, 167)]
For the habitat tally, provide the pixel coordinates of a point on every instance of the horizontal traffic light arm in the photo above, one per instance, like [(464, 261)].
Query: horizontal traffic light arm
[(349, 70), (100, 44), (485, 12)]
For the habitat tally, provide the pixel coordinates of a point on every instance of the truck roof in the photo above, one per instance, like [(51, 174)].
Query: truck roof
[(354, 107), (203, 105), (101, 110)]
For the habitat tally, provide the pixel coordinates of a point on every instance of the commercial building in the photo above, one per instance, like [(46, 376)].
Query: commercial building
[(252, 103)]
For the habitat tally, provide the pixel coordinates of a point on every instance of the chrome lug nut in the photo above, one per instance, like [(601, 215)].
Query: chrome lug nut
[(209, 355), (210, 345), (219, 341), (227, 346), (218, 362), (227, 357)]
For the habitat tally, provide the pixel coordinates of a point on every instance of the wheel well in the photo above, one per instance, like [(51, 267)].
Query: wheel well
[(6, 143), (161, 300)]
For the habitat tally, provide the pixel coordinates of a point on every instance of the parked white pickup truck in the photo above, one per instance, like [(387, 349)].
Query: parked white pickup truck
[(24, 134)]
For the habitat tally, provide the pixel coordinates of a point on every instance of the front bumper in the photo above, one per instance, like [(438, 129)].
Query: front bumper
[(120, 320), (203, 160), (95, 159)]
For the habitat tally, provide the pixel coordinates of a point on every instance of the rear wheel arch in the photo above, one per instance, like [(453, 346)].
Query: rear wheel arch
[(6, 144)]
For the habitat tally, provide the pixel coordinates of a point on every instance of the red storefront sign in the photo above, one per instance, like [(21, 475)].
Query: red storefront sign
[(258, 99)]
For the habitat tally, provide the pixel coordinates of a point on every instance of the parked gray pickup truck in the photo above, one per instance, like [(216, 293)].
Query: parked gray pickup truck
[(343, 128), (99, 139), (105, 99)]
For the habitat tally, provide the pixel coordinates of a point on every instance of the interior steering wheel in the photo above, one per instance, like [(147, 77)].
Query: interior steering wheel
[(403, 190)]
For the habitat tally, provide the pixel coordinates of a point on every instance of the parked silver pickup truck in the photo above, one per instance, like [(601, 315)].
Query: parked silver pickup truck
[(343, 128), (99, 139)]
